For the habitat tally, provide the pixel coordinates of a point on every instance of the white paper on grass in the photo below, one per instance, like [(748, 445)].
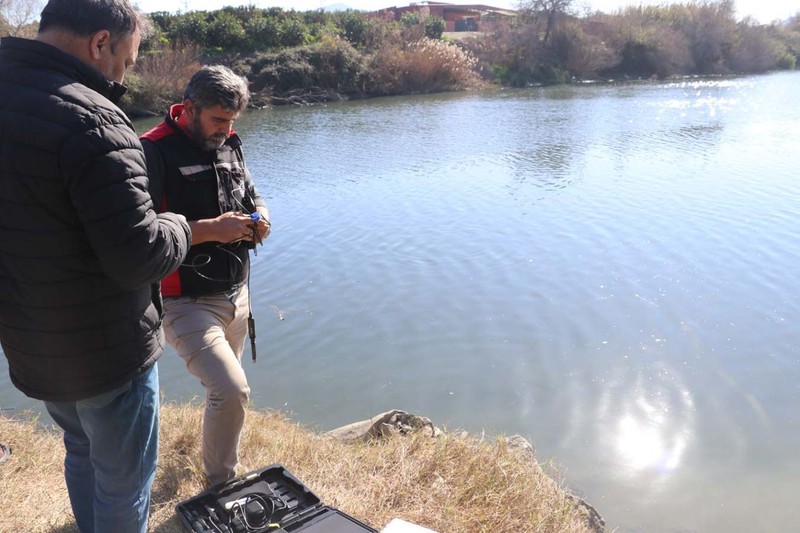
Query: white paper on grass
[(401, 526)]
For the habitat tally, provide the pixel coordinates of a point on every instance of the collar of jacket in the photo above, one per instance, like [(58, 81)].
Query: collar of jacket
[(47, 56)]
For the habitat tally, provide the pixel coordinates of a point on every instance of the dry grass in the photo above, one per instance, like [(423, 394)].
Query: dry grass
[(449, 483), (158, 80), (423, 66)]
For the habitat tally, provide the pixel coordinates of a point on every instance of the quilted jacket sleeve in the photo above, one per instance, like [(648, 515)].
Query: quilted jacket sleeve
[(108, 186)]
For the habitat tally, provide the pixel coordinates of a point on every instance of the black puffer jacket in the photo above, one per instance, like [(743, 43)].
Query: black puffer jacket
[(80, 244)]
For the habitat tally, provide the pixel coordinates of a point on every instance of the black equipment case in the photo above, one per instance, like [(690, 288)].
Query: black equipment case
[(269, 500)]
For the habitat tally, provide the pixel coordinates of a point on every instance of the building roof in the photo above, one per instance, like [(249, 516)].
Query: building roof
[(448, 5)]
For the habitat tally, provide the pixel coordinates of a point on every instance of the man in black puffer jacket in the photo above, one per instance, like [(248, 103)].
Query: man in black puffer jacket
[(81, 252)]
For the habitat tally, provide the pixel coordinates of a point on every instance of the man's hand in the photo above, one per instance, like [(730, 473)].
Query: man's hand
[(261, 228), (226, 228)]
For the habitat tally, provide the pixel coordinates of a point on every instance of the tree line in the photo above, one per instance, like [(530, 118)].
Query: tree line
[(302, 56)]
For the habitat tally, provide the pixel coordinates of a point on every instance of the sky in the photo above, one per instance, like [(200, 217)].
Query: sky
[(763, 11)]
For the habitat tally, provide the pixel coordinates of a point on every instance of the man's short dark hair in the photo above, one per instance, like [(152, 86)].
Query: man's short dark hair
[(217, 85), (87, 17)]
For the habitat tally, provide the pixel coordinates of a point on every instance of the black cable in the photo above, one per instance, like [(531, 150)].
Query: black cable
[(251, 322), (249, 521), (201, 260)]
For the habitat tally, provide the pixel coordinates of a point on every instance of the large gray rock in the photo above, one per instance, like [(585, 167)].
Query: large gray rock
[(388, 423), (5, 452)]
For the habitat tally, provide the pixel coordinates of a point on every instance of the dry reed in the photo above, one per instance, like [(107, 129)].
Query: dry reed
[(451, 483)]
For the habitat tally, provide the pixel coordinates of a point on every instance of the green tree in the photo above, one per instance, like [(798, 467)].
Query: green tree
[(293, 32), (332, 64), (511, 53), (651, 40), (711, 31), (263, 32), (583, 52), (353, 26), (412, 28), (755, 49), (548, 11), (409, 19), (434, 27), (189, 28), (162, 20), (226, 32)]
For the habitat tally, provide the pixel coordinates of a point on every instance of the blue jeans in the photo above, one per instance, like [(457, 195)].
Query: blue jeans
[(112, 448)]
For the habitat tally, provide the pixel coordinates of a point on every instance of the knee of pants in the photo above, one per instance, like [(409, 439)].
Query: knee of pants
[(232, 395)]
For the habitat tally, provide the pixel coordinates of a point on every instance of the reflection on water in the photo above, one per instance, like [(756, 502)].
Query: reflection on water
[(652, 431), (605, 270)]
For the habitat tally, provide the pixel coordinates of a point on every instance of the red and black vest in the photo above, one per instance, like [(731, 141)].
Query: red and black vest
[(200, 184)]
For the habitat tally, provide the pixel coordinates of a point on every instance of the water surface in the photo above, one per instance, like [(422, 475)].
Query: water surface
[(609, 271)]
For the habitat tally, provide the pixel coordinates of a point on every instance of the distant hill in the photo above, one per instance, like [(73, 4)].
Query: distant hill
[(337, 7)]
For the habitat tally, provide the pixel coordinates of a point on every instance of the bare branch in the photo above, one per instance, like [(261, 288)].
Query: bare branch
[(16, 16)]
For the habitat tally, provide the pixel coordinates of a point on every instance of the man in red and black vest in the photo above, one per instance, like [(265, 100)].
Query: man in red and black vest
[(196, 168)]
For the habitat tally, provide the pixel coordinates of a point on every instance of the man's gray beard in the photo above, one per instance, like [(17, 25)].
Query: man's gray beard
[(211, 144), (207, 144)]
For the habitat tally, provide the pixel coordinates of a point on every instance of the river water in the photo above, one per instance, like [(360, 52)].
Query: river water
[(609, 271)]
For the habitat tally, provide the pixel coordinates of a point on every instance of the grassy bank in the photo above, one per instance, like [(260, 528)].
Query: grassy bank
[(451, 483)]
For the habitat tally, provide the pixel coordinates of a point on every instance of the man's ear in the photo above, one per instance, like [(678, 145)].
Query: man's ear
[(96, 43)]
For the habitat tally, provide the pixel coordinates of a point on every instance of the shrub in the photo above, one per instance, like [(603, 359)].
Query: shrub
[(711, 32), (434, 27), (332, 64), (754, 50), (650, 41), (426, 65), (411, 26), (189, 29), (162, 20), (353, 26), (584, 54), (158, 80), (281, 71), (263, 32), (786, 61), (380, 33), (226, 32), (510, 54), (293, 32), (409, 19), (338, 65)]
